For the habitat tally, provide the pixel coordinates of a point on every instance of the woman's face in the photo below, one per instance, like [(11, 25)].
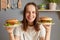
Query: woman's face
[(30, 13)]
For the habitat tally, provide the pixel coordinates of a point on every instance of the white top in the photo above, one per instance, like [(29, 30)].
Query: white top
[(30, 34)]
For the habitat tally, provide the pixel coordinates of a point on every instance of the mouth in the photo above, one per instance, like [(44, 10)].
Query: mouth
[(29, 18)]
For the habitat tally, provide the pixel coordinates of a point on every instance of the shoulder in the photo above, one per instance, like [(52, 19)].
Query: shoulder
[(19, 27), (18, 30)]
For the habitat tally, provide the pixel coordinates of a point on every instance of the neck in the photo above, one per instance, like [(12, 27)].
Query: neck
[(30, 24)]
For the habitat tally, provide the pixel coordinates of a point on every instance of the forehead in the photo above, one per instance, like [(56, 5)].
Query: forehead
[(31, 7)]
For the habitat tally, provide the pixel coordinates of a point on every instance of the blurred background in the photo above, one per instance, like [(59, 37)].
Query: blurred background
[(17, 13)]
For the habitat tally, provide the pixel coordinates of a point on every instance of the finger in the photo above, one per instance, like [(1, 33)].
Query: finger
[(47, 25), (8, 28)]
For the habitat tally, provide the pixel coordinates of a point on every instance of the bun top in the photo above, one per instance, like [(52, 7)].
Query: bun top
[(12, 21), (45, 18)]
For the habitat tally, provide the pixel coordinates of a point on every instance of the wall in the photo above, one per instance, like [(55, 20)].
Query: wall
[(17, 13)]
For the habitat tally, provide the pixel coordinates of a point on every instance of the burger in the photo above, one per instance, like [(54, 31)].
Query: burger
[(12, 23), (46, 20)]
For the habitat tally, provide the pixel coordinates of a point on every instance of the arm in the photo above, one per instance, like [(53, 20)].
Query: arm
[(10, 32), (48, 31), (48, 35), (17, 37), (42, 38), (13, 34), (45, 35), (12, 37)]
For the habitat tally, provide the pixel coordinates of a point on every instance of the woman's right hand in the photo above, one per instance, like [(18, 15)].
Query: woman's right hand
[(9, 29)]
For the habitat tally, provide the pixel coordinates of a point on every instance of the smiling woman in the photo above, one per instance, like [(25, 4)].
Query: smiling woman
[(30, 13), (29, 28)]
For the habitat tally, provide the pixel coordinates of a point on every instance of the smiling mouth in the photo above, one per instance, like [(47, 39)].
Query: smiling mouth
[(29, 18)]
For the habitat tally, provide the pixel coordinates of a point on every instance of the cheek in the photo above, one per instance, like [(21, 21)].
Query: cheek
[(34, 16), (27, 15)]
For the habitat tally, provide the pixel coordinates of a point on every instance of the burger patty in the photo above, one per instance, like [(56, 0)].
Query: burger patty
[(43, 21)]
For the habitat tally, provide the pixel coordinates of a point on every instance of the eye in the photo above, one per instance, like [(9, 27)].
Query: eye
[(33, 12), (27, 12)]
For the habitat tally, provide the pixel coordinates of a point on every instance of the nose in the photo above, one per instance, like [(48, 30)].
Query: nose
[(30, 14)]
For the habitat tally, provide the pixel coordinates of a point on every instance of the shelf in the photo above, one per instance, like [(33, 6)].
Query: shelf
[(49, 10)]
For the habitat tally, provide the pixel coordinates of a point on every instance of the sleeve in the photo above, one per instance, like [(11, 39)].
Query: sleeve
[(42, 31), (17, 31)]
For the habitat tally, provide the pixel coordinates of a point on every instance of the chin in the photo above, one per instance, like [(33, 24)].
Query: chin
[(30, 21)]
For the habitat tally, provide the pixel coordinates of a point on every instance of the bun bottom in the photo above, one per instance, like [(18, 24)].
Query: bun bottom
[(47, 23), (15, 25)]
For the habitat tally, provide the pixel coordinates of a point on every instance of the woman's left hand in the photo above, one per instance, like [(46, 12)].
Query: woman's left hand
[(47, 27), (48, 31)]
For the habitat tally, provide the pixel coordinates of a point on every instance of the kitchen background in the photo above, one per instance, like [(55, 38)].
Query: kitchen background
[(17, 13)]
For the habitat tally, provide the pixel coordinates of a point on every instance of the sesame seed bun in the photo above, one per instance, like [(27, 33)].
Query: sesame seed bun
[(45, 20), (12, 21)]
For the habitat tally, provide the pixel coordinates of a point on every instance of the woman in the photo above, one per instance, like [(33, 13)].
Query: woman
[(29, 28)]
